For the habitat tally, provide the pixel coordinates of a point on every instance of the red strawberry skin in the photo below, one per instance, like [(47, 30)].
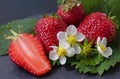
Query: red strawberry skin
[(73, 16), (28, 52), (47, 29), (97, 24)]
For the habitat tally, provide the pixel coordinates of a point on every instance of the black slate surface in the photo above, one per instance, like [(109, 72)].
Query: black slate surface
[(19, 9), (8, 70)]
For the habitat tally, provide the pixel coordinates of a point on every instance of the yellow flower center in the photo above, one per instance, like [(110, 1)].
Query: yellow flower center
[(71, 39), (61, 51), (103, 47)]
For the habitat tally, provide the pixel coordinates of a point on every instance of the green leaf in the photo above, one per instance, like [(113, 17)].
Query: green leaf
[(27, 27), (112, 9), (55, 63), (93, 5), (60, 2), (92, 60)]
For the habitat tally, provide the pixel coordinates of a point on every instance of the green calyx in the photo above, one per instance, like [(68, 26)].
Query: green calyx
[(69, 4), (115, 21), (87, 48), (53, 15), (14, 37)]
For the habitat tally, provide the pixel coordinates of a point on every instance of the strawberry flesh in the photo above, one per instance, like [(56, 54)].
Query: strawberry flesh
[(28, 52)]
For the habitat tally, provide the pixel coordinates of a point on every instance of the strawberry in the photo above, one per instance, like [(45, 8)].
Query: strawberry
[(27, 51), (97, 24), (71, 11), (47, 29)]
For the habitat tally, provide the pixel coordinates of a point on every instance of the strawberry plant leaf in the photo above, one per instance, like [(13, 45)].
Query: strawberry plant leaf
[(27, 26), (59, 2), (93, 60), (93, 5), (113, 11)]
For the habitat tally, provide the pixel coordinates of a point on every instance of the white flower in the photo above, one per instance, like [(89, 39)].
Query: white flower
[(72, 36), (61, 52), (101, 47)]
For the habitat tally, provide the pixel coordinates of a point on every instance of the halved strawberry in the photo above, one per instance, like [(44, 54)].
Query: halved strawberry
[(28, 52)]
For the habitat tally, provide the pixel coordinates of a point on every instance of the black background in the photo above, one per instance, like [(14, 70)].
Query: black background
[(20, 9)]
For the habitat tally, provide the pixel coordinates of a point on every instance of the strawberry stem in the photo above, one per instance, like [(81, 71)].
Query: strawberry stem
[(20, 29), (53, 15), (9, 37), (113, 17), (15, 35)]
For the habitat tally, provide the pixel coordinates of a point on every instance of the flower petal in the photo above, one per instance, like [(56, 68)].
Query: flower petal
[(70, 52), (54, 47), (71, 30), (104, 41), (61, 36), (64, 44), (80, 37), (100, 50), (62, 60), (98, 41), (109, 51), (102, 53), (77, 48), (53, 55)]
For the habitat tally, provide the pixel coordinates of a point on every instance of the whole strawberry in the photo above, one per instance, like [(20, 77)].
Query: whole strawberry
[(71, 11), (97, 24), (47, 29), (27, 51)]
